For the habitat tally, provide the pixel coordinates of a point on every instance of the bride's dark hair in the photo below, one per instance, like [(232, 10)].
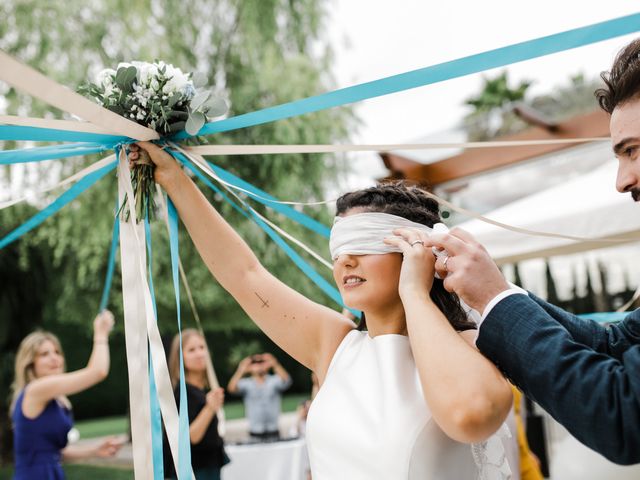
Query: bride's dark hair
[(408, 201)]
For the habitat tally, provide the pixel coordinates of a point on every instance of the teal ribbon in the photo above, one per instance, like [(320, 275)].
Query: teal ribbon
[(39, 134), (307, 269), (156, 416), (183, 469), (111, 262), (39, 154), (54, 207), (272, 202), (605, 317), (460, 67)]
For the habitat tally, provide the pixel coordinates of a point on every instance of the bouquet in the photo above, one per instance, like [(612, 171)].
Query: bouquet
[(161, 97)]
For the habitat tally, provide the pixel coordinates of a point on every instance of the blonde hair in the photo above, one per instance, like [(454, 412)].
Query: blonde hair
[(174, 355), (25, 361)]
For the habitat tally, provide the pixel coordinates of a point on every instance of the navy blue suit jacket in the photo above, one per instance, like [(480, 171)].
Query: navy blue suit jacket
[(585, 375)]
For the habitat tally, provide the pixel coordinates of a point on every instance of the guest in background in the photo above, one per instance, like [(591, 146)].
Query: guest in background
[(261, 393), (40, 409), (207, 447)]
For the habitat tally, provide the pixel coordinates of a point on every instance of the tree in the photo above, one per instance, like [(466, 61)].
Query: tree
[(552, 293), (516, 275), (258, 53), (488, 119), (493, 116)]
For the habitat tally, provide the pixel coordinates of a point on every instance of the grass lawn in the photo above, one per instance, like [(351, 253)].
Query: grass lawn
[(82, 472), (118, 425)]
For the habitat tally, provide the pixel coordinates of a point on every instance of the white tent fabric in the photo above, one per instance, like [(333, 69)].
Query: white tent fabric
[(587, 206)]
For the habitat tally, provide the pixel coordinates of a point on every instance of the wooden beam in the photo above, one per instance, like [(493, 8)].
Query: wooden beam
[(476, 161)]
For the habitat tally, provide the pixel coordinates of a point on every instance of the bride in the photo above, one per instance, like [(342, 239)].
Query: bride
[(403, 394)]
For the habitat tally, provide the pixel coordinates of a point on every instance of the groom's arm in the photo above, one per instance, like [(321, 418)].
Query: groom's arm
[(613, 340), (595, 396)]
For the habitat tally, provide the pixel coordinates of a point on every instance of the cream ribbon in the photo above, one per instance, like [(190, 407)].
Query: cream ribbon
[(135, 241), (28, 80), (212, 378), (73, 178), (201, 163), (136, 345), (67, 125), (280, 149)]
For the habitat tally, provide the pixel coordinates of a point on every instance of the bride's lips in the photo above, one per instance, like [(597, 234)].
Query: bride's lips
[(352, 281)]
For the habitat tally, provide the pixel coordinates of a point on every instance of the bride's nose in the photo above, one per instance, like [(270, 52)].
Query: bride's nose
[(346, 260)]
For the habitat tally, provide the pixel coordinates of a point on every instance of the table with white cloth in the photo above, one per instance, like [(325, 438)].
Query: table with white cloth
[(286, 460)]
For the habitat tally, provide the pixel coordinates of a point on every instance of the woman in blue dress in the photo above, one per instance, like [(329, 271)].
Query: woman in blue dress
[(40, 409)]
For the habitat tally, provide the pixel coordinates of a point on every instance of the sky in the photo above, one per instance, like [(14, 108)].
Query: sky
[(373, 39)]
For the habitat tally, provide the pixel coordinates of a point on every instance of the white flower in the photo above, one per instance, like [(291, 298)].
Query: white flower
[(105, 77), (154, 85)]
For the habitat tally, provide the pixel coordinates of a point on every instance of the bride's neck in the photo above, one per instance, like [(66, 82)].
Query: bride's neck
[(386, 321)]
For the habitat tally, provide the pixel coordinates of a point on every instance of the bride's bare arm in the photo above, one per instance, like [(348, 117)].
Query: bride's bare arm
[(307, 331)]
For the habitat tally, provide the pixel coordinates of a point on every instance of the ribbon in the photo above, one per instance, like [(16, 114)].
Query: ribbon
[(307, 269), (184, 468), (498, 57), (72, 126), (51, 209), (13, 132), (342, 148), (140, 285), (111, 263), (135, 340), (32, 82), (39, 154), (76, 176), (154, 405), (212, 378)]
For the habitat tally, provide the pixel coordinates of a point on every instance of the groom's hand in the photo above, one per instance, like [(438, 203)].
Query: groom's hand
[(469, 271)]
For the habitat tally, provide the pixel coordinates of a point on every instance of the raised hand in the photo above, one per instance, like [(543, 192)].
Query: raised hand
[(417, 272), (167, 169), (103, 324), (470, 272), (215, 399), (109, 447)]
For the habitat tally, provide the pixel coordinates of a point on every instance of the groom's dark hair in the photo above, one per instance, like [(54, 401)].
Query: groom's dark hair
[(403, 199), (622, 82)]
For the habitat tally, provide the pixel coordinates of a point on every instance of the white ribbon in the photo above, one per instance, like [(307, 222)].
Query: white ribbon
[(73, 178), (210, 370), (24, 78), (67, 125), (201, 163), (160, 368), (310, 148), (136, 343)]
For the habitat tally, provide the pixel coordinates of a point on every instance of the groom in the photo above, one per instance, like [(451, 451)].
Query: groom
[(585, 375)]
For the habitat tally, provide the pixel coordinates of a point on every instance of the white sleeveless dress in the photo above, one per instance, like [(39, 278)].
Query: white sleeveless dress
[(370, 421)]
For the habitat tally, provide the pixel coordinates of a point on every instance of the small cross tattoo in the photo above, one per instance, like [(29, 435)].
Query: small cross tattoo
[(265, 303)]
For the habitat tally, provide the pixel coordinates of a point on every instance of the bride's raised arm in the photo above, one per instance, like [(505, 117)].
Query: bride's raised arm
[(306, 330)]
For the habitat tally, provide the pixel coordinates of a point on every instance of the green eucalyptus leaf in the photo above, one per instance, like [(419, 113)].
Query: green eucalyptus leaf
[(199, 79), (176, 127), (215, 106), (179, 114), (199, 99), (125, 77), (194, 123), (173, 99)]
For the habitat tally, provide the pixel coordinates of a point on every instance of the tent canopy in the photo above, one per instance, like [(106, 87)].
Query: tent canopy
[(588, 206)]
